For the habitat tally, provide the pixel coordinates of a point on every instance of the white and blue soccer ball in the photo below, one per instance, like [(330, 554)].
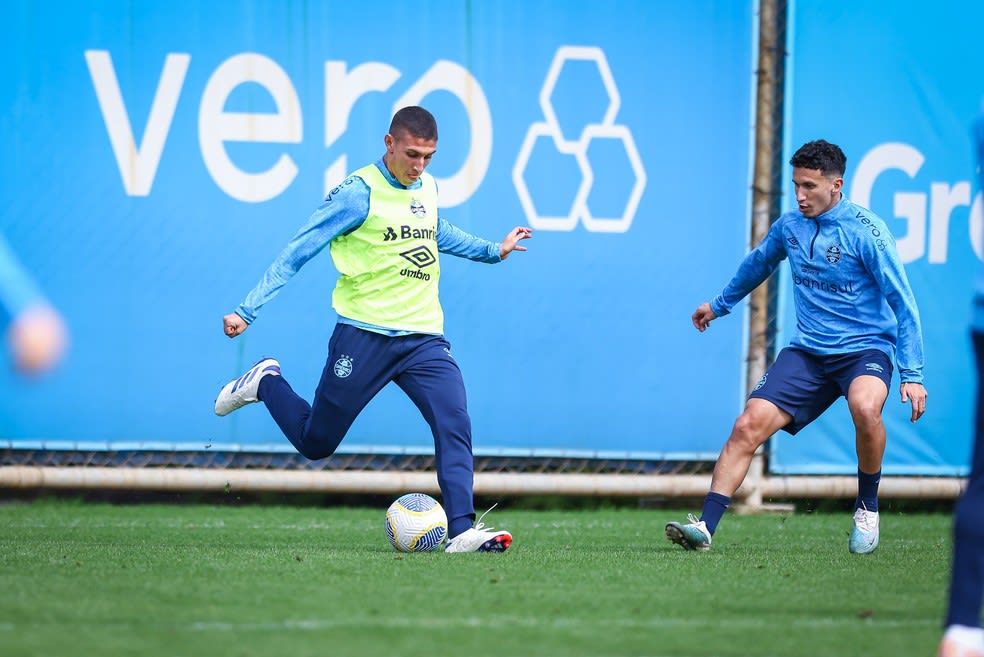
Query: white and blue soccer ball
[(416, 523)]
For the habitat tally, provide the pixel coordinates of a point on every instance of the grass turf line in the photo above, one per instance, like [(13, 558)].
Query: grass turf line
[(90, 579)]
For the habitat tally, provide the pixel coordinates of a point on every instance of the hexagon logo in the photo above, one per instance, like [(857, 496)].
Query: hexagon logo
[(579, 211)]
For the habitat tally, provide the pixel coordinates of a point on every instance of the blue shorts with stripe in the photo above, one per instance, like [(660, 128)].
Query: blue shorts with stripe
[(805, 384)]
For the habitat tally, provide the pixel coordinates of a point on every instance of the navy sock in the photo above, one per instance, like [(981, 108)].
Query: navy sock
[(459, 526), (259, 388), (867, 491), (715, 505)]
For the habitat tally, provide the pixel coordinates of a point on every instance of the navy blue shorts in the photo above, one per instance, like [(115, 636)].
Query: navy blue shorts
[(805, 384)]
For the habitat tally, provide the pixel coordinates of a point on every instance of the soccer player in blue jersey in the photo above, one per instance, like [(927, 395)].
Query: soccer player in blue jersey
[(384, 233), (963, 636), (36, 333), (855, 314)]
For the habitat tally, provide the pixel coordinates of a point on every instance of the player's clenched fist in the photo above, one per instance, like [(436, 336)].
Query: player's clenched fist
[(233, 324)]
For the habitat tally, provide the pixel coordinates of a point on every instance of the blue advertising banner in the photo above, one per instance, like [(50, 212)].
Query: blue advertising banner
[(157, 157), (895, 84)]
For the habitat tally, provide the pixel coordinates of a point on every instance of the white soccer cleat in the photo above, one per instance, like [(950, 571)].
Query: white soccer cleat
[(864, 536), (242, 391), (480, 539), (690, 536)]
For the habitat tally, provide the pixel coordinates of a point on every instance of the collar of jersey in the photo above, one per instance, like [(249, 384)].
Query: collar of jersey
[(392, 179), (832, 213)]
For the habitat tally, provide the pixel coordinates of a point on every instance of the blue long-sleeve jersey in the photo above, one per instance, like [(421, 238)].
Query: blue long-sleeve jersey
[(977, 319), (343, 210), (850, 290)]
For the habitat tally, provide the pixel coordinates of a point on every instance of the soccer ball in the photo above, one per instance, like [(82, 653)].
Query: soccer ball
[(416, 523)]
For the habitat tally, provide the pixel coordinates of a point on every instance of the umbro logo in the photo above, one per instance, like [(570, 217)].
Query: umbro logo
[(420, 256), (792, 241), (874, 367), (389, 235)]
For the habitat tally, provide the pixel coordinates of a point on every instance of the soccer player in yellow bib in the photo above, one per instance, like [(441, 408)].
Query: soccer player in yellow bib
[(385, 234)]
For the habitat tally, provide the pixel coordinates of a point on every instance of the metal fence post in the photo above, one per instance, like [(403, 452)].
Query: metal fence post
[(766, 206)]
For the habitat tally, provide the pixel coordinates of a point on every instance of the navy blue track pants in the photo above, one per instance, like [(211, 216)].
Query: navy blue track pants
[(360, 363), (967, 572)]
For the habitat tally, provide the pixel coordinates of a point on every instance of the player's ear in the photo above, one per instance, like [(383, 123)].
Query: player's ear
[(389, 141)]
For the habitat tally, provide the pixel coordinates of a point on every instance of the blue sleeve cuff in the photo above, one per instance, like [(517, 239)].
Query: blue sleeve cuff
[(247, 316)]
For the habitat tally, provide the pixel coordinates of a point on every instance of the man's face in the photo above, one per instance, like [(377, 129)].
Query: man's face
[(815, 192), (407, 156)]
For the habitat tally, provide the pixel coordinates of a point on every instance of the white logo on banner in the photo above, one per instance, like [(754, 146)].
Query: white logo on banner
[(927, 216), (607, 129), (217, 127)]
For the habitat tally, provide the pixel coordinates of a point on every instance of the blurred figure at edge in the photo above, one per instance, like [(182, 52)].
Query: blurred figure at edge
[(36, 334), (963, 636)]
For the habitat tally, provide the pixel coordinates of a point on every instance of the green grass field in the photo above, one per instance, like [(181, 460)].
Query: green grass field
[(80, 579)]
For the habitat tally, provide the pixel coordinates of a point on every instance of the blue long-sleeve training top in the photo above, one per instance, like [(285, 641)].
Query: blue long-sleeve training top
[(977, 319), (850, 290), (340, 213)]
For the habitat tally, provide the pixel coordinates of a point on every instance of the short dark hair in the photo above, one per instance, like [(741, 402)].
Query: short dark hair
[(416, 121), (822, 155)]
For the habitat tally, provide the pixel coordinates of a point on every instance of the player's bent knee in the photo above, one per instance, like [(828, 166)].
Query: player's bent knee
[(315, 448), (748, 433), (867, 416), (316, 455)]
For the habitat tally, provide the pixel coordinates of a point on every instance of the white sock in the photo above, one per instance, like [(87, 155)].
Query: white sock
[(971, 637)]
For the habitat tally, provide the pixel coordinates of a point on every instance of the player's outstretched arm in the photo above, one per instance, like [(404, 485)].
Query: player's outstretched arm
[(511, 242), (702, 317), (916, 394), (233, 324)]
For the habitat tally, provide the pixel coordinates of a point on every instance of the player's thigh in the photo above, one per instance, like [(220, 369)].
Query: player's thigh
[(797, 385), (763, 418), (359, 364), (433, 381), (865, 378), (866, 394)]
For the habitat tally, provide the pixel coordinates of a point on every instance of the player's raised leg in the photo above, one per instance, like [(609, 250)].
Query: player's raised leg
[(359, 364)]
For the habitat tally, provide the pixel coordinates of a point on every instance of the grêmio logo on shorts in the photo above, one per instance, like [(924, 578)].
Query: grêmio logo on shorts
[(343, 366)]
